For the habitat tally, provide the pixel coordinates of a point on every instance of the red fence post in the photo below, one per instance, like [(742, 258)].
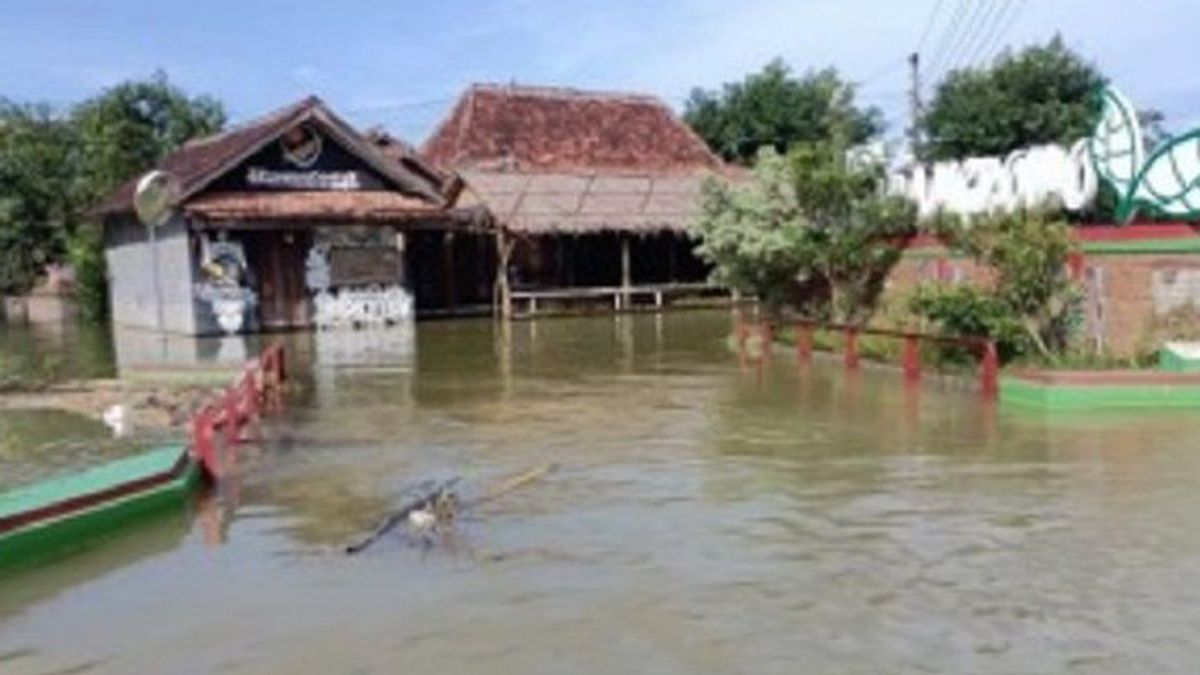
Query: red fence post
[(742, 332), (912, 357), (851, 355), (804, 341), (989, 370), (767, 336), (202, 441)]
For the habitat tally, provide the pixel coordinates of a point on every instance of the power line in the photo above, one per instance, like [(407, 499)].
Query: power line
[(948, 34), (886, 69), (929, 23), (965, 37), (973, 59), (988, 25), (1002, 34)]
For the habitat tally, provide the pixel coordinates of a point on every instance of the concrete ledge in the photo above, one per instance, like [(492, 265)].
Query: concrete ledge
[(1100, 389)]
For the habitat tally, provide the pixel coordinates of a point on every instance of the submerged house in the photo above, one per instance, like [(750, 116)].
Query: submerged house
[(591, 190), (299, 220), (296, 220)]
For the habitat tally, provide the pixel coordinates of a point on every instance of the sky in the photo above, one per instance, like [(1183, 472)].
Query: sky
[(401, 64)]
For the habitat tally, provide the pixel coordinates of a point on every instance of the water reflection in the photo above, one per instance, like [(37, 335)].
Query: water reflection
[(705, 518), (56, 351), (38, 444)]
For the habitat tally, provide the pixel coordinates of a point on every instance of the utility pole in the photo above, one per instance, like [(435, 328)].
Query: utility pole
[(914, 102)]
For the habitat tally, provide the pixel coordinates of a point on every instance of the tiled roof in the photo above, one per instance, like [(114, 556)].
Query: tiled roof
[(198, 163), (542, 129)]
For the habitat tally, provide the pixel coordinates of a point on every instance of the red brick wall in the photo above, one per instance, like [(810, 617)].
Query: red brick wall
[(1133, 301)]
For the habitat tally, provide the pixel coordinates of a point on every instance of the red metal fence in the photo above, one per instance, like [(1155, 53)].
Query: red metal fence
[(258, 388), (989, 358)]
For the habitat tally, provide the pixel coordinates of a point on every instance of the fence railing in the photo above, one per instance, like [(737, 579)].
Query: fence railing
[(910, 357), (257, 389)]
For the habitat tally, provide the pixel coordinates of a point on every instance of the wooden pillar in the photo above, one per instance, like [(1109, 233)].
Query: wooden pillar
[(560, 263), (503, 294), (570, 242), (448, 271), (626, 271)]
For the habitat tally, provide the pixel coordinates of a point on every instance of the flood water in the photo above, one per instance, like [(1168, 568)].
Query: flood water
[(703, 518)]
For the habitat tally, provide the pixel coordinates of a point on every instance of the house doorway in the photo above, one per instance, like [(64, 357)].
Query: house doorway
[(276, 259)]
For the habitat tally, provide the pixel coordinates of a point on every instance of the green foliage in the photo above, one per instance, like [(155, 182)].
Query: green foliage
[(86, 255), (774, 108), (54, 167), (960, 310), (129, 128), (1042, 94), (810, 229), (39, 208), (754, 234), (1031, 307)]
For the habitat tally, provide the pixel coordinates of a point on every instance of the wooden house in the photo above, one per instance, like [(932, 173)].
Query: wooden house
[(593, 191)]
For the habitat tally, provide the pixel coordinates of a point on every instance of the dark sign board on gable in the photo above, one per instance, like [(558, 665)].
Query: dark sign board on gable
[(302, 159)]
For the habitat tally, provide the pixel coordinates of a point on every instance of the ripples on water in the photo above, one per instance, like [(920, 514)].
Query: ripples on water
[(704, 519)]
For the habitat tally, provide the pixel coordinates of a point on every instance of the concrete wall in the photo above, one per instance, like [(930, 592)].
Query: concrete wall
[(131, 276)]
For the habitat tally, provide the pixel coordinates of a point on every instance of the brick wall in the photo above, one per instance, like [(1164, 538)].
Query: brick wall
[(1133, 301)]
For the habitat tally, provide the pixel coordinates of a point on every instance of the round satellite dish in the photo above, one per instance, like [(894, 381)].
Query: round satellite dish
[(155, 196)]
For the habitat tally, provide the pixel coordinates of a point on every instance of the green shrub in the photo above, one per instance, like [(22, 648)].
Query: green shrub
[(961, 310), (1031, 308)]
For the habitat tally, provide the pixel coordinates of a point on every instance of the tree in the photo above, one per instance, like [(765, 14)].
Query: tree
[(131, 127), (774, 108), (1042, 94), (39, 206), (125, 131), (54, 167), (811, 228)]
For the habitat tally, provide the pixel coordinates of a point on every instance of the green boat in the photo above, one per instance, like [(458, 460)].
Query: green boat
[(47, 519)]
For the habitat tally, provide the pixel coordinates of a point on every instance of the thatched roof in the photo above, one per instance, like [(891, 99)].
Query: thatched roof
[(198, 164), (579, 203), (548, 160)]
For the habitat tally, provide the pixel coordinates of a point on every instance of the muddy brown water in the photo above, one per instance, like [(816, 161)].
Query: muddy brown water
[(704, 518)]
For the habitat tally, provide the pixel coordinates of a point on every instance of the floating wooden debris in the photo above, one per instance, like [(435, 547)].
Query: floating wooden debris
[(421, 511), (436, 505)]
